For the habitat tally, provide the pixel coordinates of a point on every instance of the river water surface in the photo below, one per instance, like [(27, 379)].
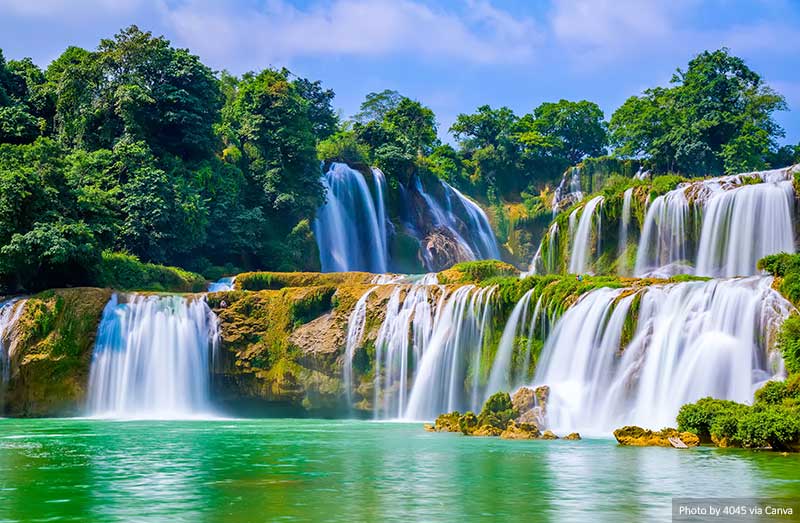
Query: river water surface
[(301, 470)]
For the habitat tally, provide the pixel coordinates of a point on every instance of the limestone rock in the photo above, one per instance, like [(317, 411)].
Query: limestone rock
[(573, 436), (523, 400), (520, 431), (549, 434), (448, 422), (487, 430), (639, 437)]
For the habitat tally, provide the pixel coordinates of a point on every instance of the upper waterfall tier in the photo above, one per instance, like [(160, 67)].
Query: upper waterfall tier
[(717, 227), (356, 232), (152, 358)]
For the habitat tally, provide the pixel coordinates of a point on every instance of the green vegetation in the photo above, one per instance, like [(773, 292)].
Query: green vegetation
[(138, 147), (477, 271), (126, 272), (772, 421), (717, 116)]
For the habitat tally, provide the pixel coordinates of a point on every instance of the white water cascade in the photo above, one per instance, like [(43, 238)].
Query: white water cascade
[(624, 225), (521, 323), (152, 358), (457, 338), (590, 221), (738, 221), (569, 189), (428, 348), (690, 340), (350, 227), (10, 311), (223, 284)]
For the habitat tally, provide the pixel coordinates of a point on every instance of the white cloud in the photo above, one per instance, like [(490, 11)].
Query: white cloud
[(280, 32)]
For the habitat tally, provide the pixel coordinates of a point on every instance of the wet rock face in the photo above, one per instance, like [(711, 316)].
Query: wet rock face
[(448, 422), (516, 430), (639, 437), (442, 250)]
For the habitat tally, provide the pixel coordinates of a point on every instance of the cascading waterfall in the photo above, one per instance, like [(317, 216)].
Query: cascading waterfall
[(350, 227), (221, 285), (465, 221), (624, 225), (428, 348), (568, 189), (153, 357), (520, 323), (457, 337), (689, 340), (482, 239), (739, 222), (582, 238), (663, 247), (10, 311), (742, 225)]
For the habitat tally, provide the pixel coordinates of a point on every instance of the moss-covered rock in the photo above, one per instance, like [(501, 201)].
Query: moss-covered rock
[(477, 271), (448, 422), (549, 434), (639, 437), (572, 436), (53, 343), (520, 431)]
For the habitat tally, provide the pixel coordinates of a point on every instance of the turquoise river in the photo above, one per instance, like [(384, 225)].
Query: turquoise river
[(301, 470)]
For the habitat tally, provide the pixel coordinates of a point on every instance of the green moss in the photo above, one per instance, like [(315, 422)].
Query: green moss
[(125, 272), (56, 333), (259, 281), (789, 343), (476, 271)]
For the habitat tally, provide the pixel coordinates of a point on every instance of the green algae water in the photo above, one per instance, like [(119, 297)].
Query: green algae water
[(302, 470)]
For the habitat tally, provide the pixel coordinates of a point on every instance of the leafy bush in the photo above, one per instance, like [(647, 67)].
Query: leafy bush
[(787, 267), (789, 343), (664, 184), (773, 393), (125, 272), (775, 426), (343, 147), (699, 417)]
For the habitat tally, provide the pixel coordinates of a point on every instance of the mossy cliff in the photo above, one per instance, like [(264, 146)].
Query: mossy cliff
[(51, 352)]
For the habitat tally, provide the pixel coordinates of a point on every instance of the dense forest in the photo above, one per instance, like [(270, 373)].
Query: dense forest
[(137, 150)]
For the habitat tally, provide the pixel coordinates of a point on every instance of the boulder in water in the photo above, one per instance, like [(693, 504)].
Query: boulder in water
[(549, 434), (448, 422), (572, 436), (638, 437), (523, 400), (520, 431), (487, 430), (468, 423)]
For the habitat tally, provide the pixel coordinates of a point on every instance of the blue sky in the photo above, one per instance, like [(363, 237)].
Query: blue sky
[(452, 55)]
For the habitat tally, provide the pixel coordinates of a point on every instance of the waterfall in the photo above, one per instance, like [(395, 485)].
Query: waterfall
[(624, 225), (582, 238), (464, 220), (609, 363), (402, 338), (10, 311), (152, 357), (568, 189), (482, 240), (742, 225), (355, 334), (457, 338), (350, 227), (221, 285), (518, 324), (740, 218), (663, 246)]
